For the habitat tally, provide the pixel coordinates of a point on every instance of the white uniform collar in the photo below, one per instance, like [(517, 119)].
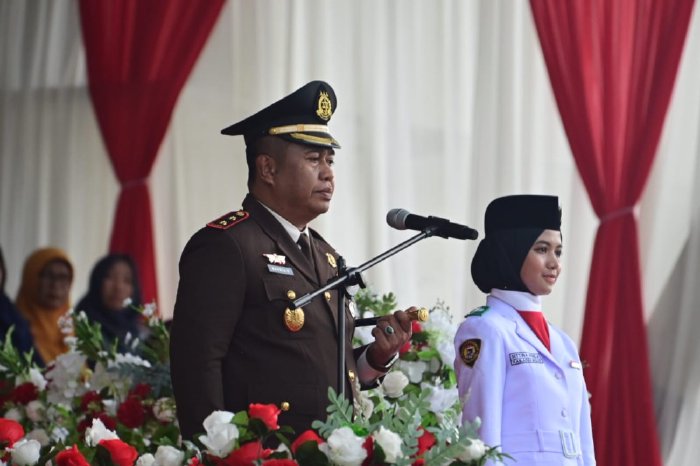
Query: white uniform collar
[(288, 226), (519, 300)]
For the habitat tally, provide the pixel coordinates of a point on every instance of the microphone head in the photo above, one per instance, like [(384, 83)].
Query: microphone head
[(396, 218)]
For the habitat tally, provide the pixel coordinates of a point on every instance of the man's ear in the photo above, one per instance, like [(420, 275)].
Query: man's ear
[(266, 167)]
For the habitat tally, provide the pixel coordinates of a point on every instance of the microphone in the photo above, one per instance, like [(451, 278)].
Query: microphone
[(401, 219)]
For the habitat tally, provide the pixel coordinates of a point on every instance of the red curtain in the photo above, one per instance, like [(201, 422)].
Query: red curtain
[(612, 65), (139, 54)]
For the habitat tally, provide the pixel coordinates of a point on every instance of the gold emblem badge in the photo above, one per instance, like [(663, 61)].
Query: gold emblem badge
[(469, 351), (325, 107), (331, 260), (294, 320)]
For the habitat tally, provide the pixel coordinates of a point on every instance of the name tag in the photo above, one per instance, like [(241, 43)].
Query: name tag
[(525, 358), (279, 269)]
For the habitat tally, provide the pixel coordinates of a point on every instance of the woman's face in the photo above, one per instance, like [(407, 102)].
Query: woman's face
[(542, 267), (117, 286), (54, 284)]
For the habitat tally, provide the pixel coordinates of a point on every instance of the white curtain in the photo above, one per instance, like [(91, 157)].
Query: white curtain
[(442, 106)]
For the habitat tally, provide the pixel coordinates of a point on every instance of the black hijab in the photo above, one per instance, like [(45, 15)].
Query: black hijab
[(115, 324), (513, 224)]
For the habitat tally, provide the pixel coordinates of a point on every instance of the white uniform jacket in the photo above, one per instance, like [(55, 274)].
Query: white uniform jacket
[(533, 403)]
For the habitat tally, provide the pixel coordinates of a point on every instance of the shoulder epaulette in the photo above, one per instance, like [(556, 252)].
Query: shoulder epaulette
[(478, 312), (230, 219)]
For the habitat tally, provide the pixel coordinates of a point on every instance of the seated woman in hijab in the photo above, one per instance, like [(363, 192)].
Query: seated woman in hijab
[(10, 317), (44, 296), (112, 293)]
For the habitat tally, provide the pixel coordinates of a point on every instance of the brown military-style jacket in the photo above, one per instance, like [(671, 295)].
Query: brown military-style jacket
[(229, 343)]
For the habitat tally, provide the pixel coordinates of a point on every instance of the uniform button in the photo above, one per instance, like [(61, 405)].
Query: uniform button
[(327, 294), (351, 376), (564, 413), (284, 406), (557, 375), (291, 294)]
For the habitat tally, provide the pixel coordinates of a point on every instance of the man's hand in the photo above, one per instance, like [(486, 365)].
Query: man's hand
[(390, 334)]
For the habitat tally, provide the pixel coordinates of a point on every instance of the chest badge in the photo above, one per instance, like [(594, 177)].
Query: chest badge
[(294, 319), (275, 259), (331, 260)]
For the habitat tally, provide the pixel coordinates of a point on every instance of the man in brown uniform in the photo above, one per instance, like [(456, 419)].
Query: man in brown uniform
[(234, 340)]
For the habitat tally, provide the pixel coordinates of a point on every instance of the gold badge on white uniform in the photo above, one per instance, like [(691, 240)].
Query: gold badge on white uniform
[(469, 351)]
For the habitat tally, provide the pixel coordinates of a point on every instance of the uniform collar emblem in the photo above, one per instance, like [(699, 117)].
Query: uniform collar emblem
[(331, 260), (275, 259)]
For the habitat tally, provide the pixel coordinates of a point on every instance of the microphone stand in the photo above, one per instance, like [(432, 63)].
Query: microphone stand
[(350, 277)]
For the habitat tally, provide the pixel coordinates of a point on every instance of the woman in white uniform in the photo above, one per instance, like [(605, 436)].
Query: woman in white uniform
[(519, 374)]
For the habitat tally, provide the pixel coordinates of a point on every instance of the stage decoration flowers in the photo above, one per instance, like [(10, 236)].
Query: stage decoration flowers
[(96, 406)]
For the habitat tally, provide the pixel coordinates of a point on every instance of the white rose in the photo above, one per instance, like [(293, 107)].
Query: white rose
[(344, 448), (35, 410), (164, 409), (25, 452), (441, 399), (390, 443), (14, 414), (475, 450), (59, 434), (40, 436), (221, 434), (146, 460), (447, 351), (169, 456), (37, 379), (394, 383), (98, 432), (413, 369)]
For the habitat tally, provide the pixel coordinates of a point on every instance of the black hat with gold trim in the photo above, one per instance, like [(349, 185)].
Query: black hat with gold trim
[(300, 117)]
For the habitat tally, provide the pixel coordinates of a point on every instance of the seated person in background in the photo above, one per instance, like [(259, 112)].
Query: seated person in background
[(114, 281), (10, 317), (44, 296)]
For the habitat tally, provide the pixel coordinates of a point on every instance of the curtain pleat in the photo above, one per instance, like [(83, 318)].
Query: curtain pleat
[(139, 55), (612, 66)]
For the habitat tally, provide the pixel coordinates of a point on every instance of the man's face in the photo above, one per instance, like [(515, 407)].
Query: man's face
[(304, 182)]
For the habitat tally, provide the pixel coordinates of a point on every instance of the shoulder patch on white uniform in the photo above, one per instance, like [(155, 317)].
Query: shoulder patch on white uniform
[(478, 312), (469, 351)]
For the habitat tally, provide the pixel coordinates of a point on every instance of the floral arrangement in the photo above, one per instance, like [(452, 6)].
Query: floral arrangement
[(96, 406)]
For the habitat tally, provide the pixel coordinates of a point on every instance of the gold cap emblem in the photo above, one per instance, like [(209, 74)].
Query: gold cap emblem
[(325, 107), (294, 320)]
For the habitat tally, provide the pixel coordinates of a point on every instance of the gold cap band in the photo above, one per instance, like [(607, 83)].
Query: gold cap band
[(299, 128)]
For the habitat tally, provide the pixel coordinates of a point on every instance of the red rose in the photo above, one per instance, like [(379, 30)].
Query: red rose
[(91, 402), (425, 442), (71, 457), (369, 448), (141, 390), (281, 462), (306, 436), (131, 413), (122, 454), (194, 461), (266, 413), (25, 393), (405, 348), (416, 327), (10, 432), (247, 454)]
